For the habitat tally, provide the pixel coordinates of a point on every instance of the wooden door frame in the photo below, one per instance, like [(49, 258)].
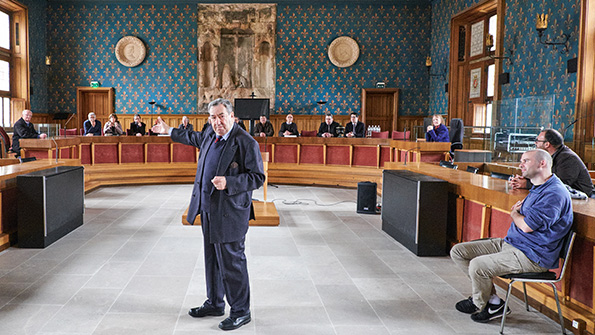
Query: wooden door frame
[(80, 91), (458, 99), (394, 91)]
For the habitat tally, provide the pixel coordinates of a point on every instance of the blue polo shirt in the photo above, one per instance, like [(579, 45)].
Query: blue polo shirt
[(548, 211)]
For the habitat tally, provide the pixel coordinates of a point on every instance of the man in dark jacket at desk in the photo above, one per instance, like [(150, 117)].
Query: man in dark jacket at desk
[(23, 128), (229, 169), (329, 127), (567, 165)]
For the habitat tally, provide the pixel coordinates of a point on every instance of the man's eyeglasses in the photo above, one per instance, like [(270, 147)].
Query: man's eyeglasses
[(541, 141)]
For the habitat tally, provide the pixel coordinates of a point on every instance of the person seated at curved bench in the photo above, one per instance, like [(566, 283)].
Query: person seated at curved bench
[(567, 165), (24, 128), (328, 128), (288, 128), (437, 131), (92, 126), (355, 128), (239, 122), (264, 128), (138, 127), (532, 244), (113, 127), (186, 125)]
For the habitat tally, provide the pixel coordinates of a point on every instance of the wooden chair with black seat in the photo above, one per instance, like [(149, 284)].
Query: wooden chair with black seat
[(472, 169), (449, 165), (548, 277)]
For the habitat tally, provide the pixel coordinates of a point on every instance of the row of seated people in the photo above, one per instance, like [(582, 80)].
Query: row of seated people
[(437, 132)]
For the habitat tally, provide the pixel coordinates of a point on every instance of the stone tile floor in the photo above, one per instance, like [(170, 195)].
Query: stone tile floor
[(133, 268)]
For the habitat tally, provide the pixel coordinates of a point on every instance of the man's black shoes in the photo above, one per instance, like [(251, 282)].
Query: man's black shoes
[(205, 310), (466, 306), (490, 312), (234, 323)]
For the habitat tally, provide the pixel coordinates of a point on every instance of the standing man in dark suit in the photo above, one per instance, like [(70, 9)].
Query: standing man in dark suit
[(229, 169), (329, 127), (355, 128), (23, 128)]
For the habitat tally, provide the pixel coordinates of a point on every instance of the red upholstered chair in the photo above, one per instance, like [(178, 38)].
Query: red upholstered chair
[(380, 134), (68, 132), (308, 133), (401, 135)]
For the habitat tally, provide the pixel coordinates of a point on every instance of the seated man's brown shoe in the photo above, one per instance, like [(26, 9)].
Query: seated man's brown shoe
[(205, 310), (234, 323)]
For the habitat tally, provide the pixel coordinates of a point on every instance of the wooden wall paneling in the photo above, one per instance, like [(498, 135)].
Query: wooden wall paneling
[(380, 106), (19, 72), (98, 100), (584, 128)]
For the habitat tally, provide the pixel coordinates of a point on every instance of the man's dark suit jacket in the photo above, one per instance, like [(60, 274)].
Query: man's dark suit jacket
[(135, 129), (325, 128), (291, 127), (189, 127), (360, 129), (267, 128), (241, 164), (22, 130)]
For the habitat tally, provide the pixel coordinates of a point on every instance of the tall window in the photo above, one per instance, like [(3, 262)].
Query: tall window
[(482, 72), (5, 59)]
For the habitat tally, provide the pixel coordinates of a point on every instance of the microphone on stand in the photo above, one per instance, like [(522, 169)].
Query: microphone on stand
[(405, 134), (407, 154), (55, 143)]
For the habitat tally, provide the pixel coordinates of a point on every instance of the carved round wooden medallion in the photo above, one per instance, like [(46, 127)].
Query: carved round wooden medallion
[(343, 51), (130, 51)]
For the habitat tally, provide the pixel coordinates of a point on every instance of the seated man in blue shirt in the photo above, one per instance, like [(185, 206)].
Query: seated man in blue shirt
[(532, 244)]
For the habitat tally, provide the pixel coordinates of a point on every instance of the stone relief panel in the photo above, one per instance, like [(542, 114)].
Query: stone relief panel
[(236, 52)]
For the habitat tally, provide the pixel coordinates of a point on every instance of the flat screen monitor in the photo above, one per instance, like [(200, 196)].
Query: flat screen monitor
[(251, 109)]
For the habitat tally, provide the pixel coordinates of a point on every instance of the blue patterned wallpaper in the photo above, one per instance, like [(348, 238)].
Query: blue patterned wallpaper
[(81, 41), (393, 40), (537, 70)]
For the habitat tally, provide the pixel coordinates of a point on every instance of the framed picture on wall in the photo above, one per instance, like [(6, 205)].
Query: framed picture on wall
[(476, 47), (475, 82)]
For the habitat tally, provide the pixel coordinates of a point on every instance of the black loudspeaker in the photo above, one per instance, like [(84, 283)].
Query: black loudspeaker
[(504, 78), (366, 197), (571, 65)]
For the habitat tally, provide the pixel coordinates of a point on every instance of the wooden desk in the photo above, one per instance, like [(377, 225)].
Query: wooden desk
[(9, 194), (481, 208)]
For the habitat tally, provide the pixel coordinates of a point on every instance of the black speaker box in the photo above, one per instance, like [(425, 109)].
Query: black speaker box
[(571, 65), (366, 197)]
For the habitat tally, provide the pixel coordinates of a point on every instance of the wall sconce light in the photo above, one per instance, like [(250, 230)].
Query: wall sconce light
[(490, 44), (429, 67), (541, 26), (48, 60)]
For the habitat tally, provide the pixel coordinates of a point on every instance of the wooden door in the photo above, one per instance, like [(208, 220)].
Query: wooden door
[(98, 100), (380, 106)]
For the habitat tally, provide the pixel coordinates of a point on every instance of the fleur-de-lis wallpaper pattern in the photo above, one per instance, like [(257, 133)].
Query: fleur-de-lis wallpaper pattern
[(393, 43), (537, 70)]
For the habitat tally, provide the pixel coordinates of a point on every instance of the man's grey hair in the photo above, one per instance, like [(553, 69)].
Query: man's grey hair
[(542, 155), (223, 102), (92, 113)]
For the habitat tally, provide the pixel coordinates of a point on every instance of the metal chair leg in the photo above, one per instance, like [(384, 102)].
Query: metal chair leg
[(526, 300), (505, 307), (559, 309)]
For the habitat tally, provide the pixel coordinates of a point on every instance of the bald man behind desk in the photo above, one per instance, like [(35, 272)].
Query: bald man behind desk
[(23, 128), (229, 169)]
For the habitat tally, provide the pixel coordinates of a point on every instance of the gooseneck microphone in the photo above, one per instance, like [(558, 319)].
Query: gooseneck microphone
[(56, 144), (407, 154)]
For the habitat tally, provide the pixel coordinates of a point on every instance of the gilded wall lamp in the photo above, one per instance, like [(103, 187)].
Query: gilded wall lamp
[(541, 26), (429, 67), (490, 45)]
